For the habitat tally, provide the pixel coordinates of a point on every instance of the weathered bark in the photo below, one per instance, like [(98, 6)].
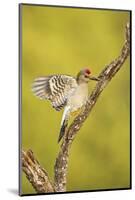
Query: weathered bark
[(37, 176), (61, 164)]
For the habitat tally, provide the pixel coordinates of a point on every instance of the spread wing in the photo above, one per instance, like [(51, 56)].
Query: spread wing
[(56, 88)]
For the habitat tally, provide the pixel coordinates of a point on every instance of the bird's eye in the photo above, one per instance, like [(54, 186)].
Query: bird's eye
[(86, 76)]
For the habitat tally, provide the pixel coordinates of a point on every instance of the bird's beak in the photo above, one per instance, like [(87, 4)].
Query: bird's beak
[(94, 78)]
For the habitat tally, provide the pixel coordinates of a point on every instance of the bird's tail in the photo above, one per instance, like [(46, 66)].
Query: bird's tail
[(63, 129), (64, 123)]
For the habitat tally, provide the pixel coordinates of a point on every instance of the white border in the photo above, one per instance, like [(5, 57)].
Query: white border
[(9, 97)]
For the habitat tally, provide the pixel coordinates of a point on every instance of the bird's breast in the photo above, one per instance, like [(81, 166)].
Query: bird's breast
[(78, 97)]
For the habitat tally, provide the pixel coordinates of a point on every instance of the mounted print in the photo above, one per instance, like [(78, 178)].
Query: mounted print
[(75, 99)]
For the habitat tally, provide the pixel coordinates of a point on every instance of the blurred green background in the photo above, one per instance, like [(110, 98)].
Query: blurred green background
[(65, 40)]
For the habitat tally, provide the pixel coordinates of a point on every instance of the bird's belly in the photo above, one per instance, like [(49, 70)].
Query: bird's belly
[(78, 99)]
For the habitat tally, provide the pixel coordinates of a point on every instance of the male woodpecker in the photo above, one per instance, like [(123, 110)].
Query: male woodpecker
[(64, 91)]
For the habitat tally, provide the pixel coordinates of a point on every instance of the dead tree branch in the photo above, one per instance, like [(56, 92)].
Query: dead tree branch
[(106, 75), (37, 175)]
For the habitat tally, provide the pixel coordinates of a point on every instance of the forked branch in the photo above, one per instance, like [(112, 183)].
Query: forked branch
[(33, 169)]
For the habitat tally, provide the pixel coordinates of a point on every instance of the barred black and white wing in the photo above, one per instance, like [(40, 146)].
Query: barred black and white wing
[(56, 88)]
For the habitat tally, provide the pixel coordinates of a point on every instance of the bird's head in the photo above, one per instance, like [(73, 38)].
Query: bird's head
[(84, 76)]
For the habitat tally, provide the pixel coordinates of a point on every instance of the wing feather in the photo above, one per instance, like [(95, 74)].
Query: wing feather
[(56, 88)]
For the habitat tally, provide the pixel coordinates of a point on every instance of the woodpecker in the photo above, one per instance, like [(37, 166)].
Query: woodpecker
[(64, 91)]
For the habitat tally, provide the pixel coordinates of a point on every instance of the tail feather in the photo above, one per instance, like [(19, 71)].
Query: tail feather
[(64, 122), (62, 130)]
